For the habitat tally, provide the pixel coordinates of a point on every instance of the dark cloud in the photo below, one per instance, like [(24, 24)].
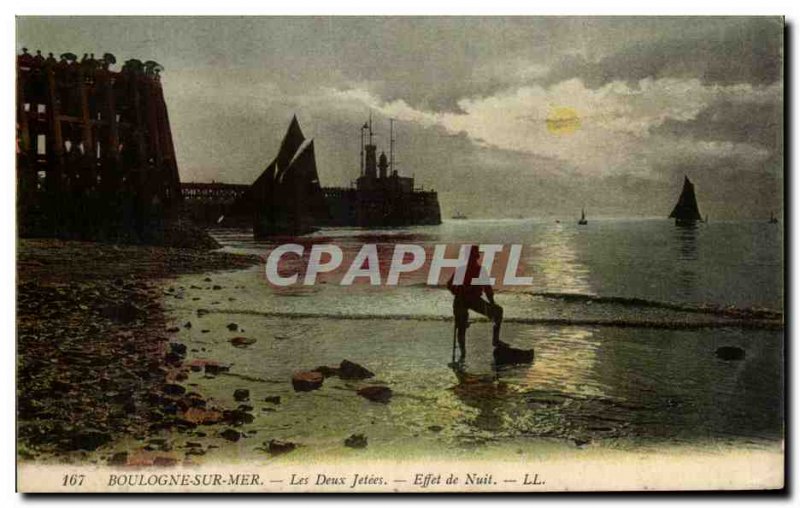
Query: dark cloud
[(748, 50), (232, 85), (759, 123)]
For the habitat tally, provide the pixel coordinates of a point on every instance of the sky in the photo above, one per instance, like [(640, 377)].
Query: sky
[(503, 116)]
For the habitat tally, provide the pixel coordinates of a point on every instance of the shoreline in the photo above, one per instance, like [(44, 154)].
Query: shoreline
[(92, 350), (170, 397)]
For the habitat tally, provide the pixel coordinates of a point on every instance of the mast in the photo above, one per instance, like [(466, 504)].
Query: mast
[(361, 156), (391, 146), (370, 127)]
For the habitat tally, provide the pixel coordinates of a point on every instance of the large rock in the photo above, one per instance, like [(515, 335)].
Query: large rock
[(507, 355), (350, 370), (241, 394), (307, 381), (380, 394)]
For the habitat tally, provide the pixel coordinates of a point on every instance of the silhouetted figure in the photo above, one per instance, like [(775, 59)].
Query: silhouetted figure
[(468, 297)]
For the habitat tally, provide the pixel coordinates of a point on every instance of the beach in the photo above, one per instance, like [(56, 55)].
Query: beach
[(160, 357), (92, 341)]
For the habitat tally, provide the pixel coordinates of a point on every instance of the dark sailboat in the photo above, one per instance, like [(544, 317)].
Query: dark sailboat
[(686, 212), (288, 197), (583, 221)]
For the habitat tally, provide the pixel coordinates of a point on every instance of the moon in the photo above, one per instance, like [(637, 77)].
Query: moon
[(562, 121)]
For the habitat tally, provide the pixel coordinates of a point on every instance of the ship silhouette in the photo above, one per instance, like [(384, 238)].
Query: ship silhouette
[(288, 197), (686, 212)]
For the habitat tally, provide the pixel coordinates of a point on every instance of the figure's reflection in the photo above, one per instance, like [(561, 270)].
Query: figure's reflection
[(488, 392), (686, 241)]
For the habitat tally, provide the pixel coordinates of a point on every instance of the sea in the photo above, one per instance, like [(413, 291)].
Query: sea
[(625, 318)]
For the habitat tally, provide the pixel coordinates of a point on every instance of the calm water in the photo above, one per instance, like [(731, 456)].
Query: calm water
[(589, 385), (723, 263)]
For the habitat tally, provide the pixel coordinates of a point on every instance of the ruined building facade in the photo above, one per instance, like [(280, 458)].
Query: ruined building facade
[(95, 157)]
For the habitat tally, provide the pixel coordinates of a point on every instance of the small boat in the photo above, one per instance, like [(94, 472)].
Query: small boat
[(772, 218), (583, 221), (686, 212), (459, 216)]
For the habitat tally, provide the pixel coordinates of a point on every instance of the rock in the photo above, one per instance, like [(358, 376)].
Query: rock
[(507, 355), (241, 394), (173, 389), (730, 353), (173, 329), (89, 440), (173, 359), (327, 371), (242, 341), (276, 447), (216, 287), (207, 279), (203, 416), (233, 327), (380, 394), (275, 399), (214, 369), (237, 417), (161, 461), (244, 407), (356, 441), (435, 428), (177, 348), (201, 312), (118, 459), (188, 325), (230, 435), (350, 370), (306, 381)]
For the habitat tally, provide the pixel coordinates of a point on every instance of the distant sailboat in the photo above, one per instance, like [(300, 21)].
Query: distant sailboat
[(459, 216), (772, 218), (686, 212), (583, 221)]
